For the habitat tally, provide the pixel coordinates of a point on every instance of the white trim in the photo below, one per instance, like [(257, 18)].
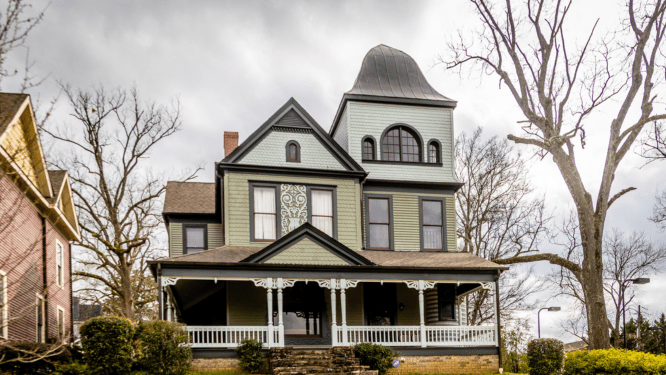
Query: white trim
[(4, 310), (61, 333), (40, 300), (60, 278)]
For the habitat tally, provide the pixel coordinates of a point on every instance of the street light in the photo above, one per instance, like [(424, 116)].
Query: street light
[(659, 329), (637, 281), (553, 308)]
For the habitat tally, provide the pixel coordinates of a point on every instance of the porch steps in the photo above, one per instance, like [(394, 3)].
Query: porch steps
[(335, 361)]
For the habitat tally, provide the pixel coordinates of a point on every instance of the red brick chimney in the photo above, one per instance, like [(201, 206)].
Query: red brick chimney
[(230, 142)]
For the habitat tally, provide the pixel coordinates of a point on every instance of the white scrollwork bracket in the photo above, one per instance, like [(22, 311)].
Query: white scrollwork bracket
[(166, 281), (350, 284), (268, 283), (488, 286), (287, 283), (420, 284), (325, 283)]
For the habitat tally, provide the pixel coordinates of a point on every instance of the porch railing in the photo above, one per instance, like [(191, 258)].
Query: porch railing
[(411, 335), (228, 336), (460, 336), (387, 336)]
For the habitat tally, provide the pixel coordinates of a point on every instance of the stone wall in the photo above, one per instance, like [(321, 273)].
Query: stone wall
[(448, 364), (221, 364)]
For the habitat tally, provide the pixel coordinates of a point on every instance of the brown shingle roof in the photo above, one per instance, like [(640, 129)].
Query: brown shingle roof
[(9, 105), (224, 254), (189, 198)]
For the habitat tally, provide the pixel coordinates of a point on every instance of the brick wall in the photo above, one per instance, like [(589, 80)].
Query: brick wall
[(448, 364)]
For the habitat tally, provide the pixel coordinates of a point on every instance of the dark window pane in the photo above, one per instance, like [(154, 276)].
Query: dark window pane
[(378, 210), (293, 153), (379, 236), (368, 150), (432, 213), (433, 154), (446, 294), (195, 237)]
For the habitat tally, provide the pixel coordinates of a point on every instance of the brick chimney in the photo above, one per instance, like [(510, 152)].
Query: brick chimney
[(230, 142)]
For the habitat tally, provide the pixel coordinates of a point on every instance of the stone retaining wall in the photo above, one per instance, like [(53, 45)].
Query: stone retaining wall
[(448, 364)]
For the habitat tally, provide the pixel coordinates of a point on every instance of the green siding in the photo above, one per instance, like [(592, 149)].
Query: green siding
[(237, 207), (215, 236), (406, 231), (175, 239), (306, 252), (246, 304), (410, 316)]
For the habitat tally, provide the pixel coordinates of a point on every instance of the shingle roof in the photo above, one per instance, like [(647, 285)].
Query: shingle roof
[(57, 179), (9, 105), (390, 72), (189, 198), (224, 254)]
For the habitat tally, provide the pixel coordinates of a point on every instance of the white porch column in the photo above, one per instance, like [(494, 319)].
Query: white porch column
[(334, 324), (343, 310), (422, 314), (269, 300), (280, 324), (495, 288), (168, 308)]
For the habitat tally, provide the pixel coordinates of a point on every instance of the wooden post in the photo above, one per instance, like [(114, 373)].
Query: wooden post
[(422, 314), (343, 310), (334, 325), (280, 323), (269, 300)]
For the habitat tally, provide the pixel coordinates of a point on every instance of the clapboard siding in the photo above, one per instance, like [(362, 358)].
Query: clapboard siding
[(406, 231), (409, 298), (246, 304), (175, 239), (306, 251), (431, 122), (215, 236), (237, 207), (272, 151)]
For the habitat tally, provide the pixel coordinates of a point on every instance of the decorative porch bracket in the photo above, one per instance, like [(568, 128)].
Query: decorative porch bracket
[(421, 285), (166, 305), (269, 284)]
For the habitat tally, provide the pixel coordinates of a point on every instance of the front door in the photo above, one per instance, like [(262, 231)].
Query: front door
[(380, 304)]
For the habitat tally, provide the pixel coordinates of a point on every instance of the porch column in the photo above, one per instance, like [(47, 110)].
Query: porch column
[(495, 288), (269, 301), (343, 310), (422, 315), (168, 306), (280, 323), (334, 325)]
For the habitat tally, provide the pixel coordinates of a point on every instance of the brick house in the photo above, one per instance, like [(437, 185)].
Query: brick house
[(322, 239), (37, 224)]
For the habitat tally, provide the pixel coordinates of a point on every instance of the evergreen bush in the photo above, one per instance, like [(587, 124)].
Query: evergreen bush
[(545, 356), (250, 355), (376, 356), (164, 348), (73, 368), (614, 362), (108, 345)]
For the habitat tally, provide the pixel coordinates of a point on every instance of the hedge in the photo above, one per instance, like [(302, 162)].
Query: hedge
[(376, 356), (614, 362), (545, 356), (163, 348), (108, 345)]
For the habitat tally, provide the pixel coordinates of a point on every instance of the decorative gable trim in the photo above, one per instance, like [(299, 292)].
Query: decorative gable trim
[(307, 230), (293, 117)]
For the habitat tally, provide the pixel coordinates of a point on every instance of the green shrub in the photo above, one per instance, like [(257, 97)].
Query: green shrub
[(250, 355), (164, 348), (376, 356), (614, 361), (107, 345), (73, 368), (545, 356), (52, 354)]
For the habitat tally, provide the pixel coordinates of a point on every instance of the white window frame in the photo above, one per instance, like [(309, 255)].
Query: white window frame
[(61, 331), (5, 307), (60, 275), (40, 300)]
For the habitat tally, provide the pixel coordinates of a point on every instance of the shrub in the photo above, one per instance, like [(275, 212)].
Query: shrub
[(73, 368), (107, 345), (376, 356), (545, 356), (52, 354), (164, 348), (250, 356), (614, 361)]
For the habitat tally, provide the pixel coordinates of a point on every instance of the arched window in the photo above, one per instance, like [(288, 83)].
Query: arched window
[(433, 152), (401, 143), (293, 152), (368, 148)]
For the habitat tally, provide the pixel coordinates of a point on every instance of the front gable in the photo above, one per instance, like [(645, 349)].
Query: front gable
[(308, 245)]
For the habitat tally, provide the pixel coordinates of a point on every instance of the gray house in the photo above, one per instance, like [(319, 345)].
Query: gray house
[(320, 239)]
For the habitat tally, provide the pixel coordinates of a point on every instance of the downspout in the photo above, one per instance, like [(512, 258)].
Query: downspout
[(160, 294), (499, 331), (44, 281)]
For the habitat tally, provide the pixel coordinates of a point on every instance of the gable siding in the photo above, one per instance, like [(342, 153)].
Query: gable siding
[(341, 133), (16, 143), (272, 151), (215, 236), (237, 207), (175, 239), (306, 251), (406, 230), (372, 119)]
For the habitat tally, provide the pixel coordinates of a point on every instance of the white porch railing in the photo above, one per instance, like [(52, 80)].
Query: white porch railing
[(228, 336), (460, 336), (411, 335)]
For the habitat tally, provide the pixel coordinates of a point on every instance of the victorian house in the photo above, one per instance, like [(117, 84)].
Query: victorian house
[(37, 224), (316, 239)]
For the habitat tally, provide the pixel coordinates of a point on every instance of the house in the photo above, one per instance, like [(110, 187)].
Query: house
[(315, 239), (82, 312), (37, 224)]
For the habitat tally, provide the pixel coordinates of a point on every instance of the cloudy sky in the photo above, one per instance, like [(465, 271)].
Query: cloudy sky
[(232, 64)]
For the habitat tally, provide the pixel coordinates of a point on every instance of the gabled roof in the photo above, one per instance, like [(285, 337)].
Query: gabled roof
[(9, 108), (307, 230), (57, 183), (293, 115), (189, 198)]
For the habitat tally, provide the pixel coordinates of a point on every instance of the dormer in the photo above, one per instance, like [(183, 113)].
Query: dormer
[(392, 122)]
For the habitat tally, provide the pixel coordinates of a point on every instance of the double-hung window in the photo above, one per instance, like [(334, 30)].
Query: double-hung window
[(195, 238), (379, 223), (40, 315), (432, 224), (59, 270), (265, 213), (61, 324), (322, 210)]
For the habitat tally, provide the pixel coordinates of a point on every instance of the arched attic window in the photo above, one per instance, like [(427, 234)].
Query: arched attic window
[(293, 152), (368, 145), (434, 151), (401, 143)]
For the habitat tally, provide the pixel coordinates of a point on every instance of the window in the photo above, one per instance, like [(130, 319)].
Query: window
[(432, 228), (446, 296), (61, 323), (265, 213), (195, 238), (322, 210), (433, 152), (368, 148), (401, 143), (379, 223), (4, 317), (59, 272), (293, 152), (40, 319)]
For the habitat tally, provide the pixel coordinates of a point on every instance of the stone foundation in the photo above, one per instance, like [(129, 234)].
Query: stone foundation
[(221, 364), (448, 364)]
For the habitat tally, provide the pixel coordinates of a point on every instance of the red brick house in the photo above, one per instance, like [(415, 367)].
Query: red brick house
[(37, 224)]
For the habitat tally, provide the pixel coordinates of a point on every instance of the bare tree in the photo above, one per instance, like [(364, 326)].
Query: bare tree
[(497, 217), (557, 86), (116, 193)]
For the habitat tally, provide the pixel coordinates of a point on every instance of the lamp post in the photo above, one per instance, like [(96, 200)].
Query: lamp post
[(553, 308), (662, 330), (637, 281)]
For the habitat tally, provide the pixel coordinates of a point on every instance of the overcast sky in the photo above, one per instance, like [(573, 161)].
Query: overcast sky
[(233, 64)]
